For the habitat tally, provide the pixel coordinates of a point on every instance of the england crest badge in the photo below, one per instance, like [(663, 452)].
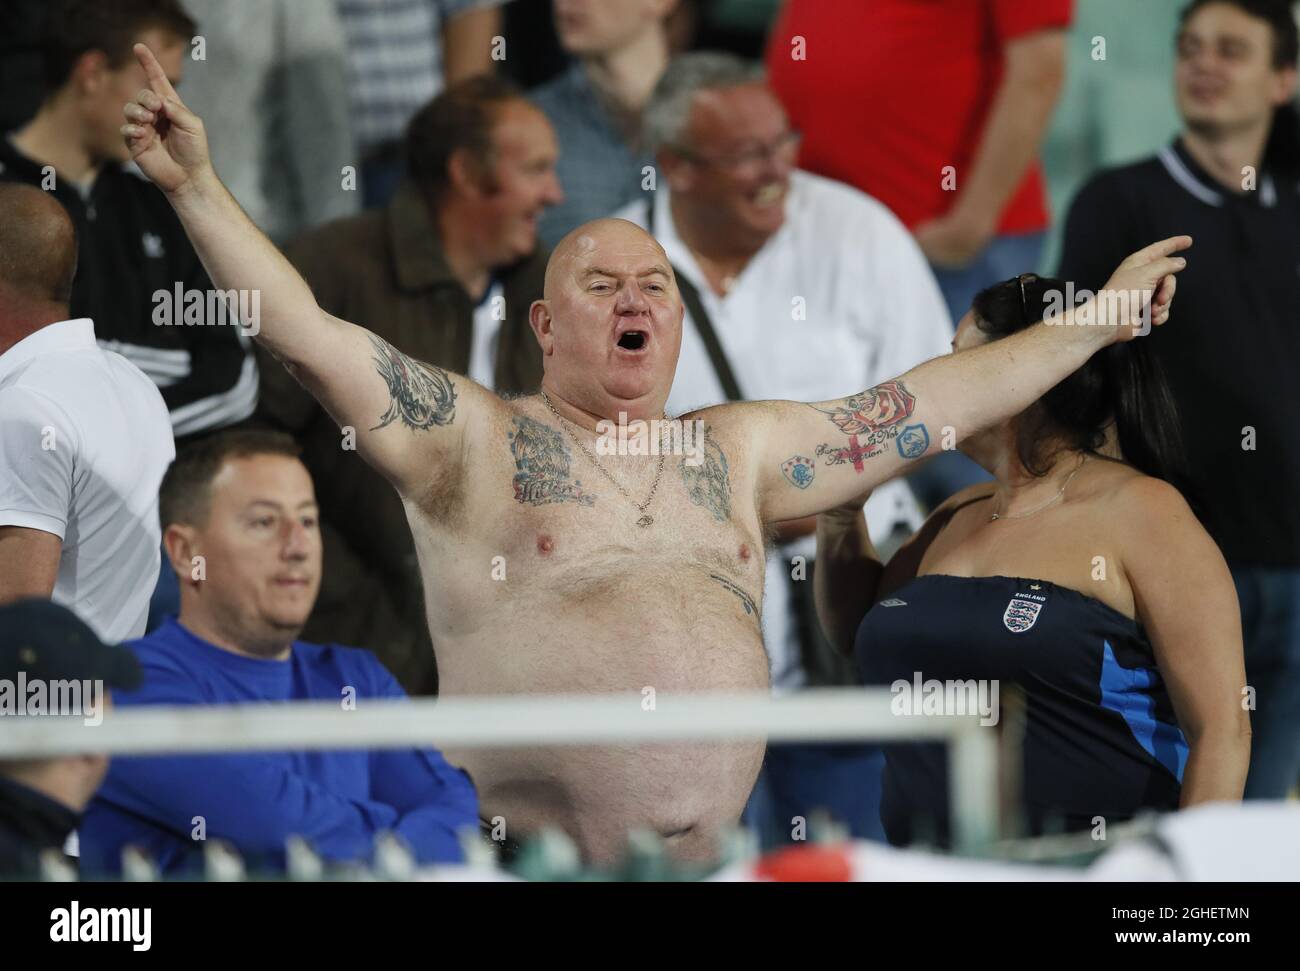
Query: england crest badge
[(1021, 615)]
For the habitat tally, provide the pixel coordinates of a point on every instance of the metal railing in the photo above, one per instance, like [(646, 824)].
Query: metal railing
[(832, 714)]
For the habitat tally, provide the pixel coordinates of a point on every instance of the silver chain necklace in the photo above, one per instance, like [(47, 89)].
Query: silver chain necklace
[(1056, 498), (646, 519)]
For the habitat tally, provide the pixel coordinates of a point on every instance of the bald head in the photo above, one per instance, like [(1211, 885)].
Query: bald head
[(582, 248), (38, 247), (610, 326)]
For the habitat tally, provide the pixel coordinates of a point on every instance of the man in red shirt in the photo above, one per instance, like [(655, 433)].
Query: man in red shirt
[(937, 108)]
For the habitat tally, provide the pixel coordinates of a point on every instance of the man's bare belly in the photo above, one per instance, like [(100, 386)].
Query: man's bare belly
[(612, 624)]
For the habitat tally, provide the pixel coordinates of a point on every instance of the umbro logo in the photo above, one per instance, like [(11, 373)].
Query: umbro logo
[(893, 602)]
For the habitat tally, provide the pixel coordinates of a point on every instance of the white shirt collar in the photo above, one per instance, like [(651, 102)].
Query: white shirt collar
[(682, 257), (665, 230), (65, 335), (1183, 174)]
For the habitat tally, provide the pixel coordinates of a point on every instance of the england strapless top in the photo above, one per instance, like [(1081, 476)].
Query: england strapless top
[(1100, 735)]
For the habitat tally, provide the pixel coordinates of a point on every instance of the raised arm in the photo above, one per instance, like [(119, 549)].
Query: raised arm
[(846, 574), (849, 576), (407, 416), (813, 457)]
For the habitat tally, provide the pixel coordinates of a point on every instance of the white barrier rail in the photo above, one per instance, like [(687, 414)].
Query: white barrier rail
[(832, 714)]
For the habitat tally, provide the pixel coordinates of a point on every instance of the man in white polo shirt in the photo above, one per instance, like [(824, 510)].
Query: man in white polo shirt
[(796, 287), (84, 437), (808, 286)]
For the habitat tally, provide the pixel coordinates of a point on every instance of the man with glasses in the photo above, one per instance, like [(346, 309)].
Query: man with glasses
[(796, 287)]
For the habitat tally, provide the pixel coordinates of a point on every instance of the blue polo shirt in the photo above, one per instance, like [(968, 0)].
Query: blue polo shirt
[(338, 801)]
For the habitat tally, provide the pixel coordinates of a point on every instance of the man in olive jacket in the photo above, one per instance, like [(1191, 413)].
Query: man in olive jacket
[(445, 273)]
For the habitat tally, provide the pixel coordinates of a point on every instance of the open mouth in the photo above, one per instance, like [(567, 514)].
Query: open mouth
[(770, 194), (633, 340)]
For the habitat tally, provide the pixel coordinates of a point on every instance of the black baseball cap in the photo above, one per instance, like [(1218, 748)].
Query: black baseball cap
[(49, 642)]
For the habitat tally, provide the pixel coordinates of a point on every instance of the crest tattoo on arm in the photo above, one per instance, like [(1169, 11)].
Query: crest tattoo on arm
[(708, 483), (421, 396), (871, 420)]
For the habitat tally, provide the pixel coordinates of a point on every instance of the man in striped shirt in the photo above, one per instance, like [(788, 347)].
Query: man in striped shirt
[(401, 53)]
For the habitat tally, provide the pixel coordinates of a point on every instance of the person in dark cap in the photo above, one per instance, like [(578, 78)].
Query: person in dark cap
[(43, 648)]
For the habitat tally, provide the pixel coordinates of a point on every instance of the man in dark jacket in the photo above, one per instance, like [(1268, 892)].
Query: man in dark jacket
[(446, 273), (51, 663)]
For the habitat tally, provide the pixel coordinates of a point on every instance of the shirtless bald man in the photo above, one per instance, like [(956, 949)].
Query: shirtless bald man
[(622, 572)]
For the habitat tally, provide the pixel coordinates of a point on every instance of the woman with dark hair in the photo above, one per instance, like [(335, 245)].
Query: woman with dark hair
[(1080, 576)]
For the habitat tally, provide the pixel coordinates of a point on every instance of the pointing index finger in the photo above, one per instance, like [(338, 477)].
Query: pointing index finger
[(154, 72), (1157, 250)]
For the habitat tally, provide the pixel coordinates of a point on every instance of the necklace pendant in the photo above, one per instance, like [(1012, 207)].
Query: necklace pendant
[(645, 520)]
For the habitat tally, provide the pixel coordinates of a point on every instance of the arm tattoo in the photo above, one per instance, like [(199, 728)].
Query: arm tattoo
[(912, 441), (542, 466), (879, 407), (745, 599), (799, 471), (708, 484), (871, 420), (420, 395)]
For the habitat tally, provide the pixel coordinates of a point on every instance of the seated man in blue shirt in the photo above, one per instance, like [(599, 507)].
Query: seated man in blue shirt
[(239, 523)]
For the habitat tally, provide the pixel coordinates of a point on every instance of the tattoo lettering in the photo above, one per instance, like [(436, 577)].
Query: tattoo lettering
[(745, 599), (542, 466), (421, 396), (870, 419), (799, 471), (708, 484), (856, 450)]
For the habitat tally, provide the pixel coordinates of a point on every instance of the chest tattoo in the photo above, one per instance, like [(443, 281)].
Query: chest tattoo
[(708, 483), (542, 466)]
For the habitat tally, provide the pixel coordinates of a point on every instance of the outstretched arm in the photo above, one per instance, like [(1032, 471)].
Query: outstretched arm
[(813, 457), (846, 575), (406, 414)]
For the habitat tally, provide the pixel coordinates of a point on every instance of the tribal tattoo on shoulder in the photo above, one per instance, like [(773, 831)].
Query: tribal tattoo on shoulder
[(708, 483), (542, 465), (872, 420), (421, 396)]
